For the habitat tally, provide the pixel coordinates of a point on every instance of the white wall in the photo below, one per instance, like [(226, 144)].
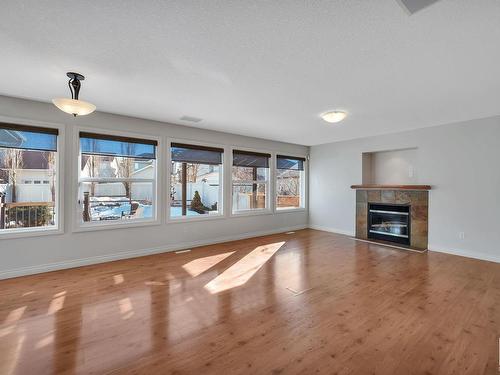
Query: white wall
[(36, 254), (460, 161)]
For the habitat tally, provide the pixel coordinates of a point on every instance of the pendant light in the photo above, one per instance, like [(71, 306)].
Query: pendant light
[(74, 106)]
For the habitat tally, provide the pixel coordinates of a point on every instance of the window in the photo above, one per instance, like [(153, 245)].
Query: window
[(27, 151), (117, 178), (37, 182), (250, 180), (289, 182), (195, 180)]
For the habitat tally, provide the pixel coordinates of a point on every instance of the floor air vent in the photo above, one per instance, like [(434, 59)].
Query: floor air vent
[(413, 6)]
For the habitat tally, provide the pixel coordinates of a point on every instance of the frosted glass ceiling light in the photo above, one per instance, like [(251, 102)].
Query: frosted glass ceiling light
[(333, 116), (74, 106)]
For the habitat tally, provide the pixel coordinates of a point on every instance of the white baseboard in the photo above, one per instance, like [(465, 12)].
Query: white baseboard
[(24, 271), (439, 249), (332, 230), (465, 253)]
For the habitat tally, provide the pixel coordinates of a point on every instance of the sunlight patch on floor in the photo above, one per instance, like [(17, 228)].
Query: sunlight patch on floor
[(126, 308), (154, 283), (240, 272), (118, 279), (198, 266), (10, 323), (44, 342), (57, 303), (10, 354), (14, 315)]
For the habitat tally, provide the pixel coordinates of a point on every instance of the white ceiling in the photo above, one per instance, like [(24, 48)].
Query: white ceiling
[(261, 68)]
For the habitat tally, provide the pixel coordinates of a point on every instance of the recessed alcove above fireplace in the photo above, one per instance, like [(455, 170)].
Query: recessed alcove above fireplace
[(393, 213), (398, 166)]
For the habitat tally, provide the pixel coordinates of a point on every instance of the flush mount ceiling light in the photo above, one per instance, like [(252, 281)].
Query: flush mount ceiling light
[(333, 116), (74, 106)]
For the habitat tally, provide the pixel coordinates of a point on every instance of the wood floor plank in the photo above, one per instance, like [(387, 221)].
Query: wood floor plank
[(320, 303)]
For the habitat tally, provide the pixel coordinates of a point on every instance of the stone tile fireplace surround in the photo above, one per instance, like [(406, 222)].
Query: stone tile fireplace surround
[(414, 196)]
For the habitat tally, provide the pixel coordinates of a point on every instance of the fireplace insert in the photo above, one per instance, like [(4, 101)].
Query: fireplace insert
[(389, 222)]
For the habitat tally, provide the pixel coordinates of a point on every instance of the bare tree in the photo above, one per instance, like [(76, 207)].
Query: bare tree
[(244, 173), (13, 162), (288, 183), (192, 172), (51, 161), (94, 164), (125, 169)]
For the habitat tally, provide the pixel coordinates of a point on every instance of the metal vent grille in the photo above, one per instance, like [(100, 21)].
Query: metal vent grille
[(190, 119), (413, 6)]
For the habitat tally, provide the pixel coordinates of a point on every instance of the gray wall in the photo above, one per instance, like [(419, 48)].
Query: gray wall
[(393, 167), (460, 161), (42, 253)]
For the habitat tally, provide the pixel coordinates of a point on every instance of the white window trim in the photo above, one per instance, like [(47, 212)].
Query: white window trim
[(303, 188), (78, 225), (58, 228), (187, 219), (269, 210)]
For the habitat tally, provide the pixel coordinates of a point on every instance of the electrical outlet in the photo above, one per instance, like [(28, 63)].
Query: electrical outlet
[(410, 171), (461, 235)]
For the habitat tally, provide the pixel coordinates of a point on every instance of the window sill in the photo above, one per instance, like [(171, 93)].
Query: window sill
[(31, 232), (110, 226), (290, 210), (251, 213), (190, 219)]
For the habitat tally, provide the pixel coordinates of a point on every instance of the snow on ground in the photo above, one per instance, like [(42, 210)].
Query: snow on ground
[(118, 208)]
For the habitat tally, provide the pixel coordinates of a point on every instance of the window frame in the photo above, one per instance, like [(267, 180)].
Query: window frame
[(58, 228), (269, 210), (303, 186), (183, 219), (78, 224)]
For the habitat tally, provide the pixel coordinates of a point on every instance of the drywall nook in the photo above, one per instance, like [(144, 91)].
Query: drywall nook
[(390, 167)]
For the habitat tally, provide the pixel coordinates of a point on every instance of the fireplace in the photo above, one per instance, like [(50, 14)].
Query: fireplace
[(389, 222), (404, 216)]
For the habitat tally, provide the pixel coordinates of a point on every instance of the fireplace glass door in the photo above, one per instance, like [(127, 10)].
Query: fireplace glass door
[(389, 222)]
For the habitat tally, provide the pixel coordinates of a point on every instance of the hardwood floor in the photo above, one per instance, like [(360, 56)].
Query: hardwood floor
[(303, 303)]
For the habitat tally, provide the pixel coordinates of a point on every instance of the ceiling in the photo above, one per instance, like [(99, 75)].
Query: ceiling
[(261, 68)]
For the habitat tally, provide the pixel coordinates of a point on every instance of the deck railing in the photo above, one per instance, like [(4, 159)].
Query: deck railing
[(26, 214)]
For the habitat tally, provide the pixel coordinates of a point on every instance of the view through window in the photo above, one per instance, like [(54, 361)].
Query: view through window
[(117, 178), (250, 180), (28, 177), (195, 180), (289, 182)]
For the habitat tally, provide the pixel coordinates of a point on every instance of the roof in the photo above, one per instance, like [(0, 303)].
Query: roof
[(31, 160)]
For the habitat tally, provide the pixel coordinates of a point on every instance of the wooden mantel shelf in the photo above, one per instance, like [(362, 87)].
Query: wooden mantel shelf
[(391, 187)]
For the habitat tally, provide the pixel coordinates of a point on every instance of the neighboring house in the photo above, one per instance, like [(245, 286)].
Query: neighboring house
[(207, 174), (142, 190), (33, 181), (207, 185), (143, 171), (108, 168)]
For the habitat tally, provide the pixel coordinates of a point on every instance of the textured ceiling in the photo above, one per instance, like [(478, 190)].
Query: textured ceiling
[(261, 68)]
